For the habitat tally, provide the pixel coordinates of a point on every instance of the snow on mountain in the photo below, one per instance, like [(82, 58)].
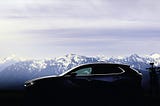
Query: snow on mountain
[(72, 60), (5, 62), (155, 58), (134, 61), (13, 68), (155, 55)]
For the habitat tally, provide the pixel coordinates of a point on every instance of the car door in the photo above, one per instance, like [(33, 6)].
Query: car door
[(104, 76)]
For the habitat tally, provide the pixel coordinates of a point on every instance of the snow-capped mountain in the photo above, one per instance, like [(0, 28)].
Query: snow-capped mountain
[(5, 62), (13, 69)]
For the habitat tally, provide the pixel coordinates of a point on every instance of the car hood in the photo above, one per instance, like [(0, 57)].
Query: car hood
[(30, 82)]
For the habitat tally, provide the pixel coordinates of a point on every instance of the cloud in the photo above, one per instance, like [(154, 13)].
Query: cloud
[(85, 9), (81, 26), (83, 13)]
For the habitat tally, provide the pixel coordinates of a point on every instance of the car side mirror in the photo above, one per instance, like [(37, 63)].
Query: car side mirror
[(73, 74)]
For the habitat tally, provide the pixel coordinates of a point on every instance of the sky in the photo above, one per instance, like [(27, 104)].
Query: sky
[(51, 28)]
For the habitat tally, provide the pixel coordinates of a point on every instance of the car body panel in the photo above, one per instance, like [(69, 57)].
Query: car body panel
[(85, 80), (86, 83)]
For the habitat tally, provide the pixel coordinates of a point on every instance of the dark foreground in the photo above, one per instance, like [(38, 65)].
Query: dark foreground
[(19, 98), (147, 97), (12, 97)]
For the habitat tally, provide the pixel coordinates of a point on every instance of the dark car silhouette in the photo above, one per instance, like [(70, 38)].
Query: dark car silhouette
[(89, 83)]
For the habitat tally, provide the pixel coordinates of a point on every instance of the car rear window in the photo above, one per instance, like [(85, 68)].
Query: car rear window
[(129, 70)]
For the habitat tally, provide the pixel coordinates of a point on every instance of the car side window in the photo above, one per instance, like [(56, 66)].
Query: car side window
[(84, 71), (106, 70)]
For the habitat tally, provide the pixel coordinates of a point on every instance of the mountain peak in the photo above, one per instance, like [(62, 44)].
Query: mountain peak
[(134, 55), (71, 55)]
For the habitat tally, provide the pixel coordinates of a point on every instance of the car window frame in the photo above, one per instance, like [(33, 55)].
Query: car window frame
[(123, 71), (68, 73), (108, 74), (78, 68)]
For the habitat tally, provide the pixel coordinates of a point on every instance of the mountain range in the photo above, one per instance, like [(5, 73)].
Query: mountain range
[(15, 71)]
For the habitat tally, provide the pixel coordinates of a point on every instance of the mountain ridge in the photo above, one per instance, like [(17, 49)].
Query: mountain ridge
[(13, 71), (69, 59)]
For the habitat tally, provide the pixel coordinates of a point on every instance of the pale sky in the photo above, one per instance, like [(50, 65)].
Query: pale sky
[(50, 28)]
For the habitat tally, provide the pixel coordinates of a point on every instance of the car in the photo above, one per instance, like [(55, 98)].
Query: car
[(87, 83)]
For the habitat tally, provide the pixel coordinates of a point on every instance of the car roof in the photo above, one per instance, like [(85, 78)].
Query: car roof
[(102, 63)]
